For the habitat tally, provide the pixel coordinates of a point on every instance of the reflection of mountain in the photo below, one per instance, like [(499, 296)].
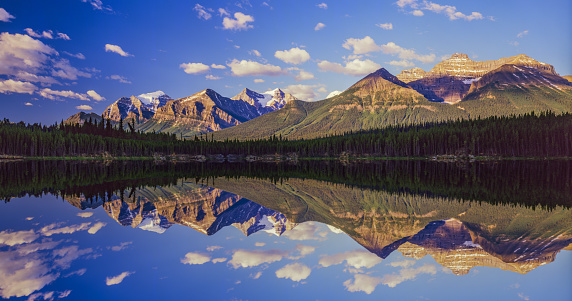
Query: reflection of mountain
[(202, 208)]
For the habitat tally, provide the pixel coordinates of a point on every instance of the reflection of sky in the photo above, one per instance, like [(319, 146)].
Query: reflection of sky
[(50, 250)]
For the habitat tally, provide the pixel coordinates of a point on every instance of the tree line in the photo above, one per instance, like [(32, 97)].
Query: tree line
[(529, 135)]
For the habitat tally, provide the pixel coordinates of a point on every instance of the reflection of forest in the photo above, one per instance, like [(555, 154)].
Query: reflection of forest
[(510, 214)]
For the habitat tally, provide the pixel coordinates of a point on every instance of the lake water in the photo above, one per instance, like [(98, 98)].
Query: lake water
[(307, 230)]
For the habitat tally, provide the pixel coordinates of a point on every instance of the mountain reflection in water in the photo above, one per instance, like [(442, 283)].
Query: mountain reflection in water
[(414, 208)]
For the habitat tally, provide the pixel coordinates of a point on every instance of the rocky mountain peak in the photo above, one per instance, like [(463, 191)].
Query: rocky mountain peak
[(460, 56), (379, 80), (409, 75)]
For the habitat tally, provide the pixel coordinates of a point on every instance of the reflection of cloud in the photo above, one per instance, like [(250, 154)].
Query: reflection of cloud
[(294, 271), (96, 227), (256, 276), (362, 283), (195, 258), (332, 228), (122, 246), (52, 229), (404, 263), (217, 260), (408, 274), (68, 254), (79, 272), (306, 231), (247, 258), (85, 214), (523, 297), (117, 279), (49, 295), (213, 248), (303, 251), (23, 275), (259, 244), (356, 259), (17, 237)]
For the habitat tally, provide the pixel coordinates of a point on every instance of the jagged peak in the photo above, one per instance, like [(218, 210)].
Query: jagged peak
[(379, 76), (459, 56)]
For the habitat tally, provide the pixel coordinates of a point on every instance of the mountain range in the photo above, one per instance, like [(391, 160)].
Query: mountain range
[(456, 88)]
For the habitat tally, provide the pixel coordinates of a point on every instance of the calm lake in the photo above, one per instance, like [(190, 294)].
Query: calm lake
[(306, 230)]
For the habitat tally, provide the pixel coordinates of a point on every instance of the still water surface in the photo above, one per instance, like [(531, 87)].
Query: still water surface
[(394, 230)]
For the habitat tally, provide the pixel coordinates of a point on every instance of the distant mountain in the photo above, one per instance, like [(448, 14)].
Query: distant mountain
[(141, 108), (82, 117)]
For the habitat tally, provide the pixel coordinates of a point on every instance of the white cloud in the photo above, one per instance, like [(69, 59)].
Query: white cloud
[(402, 63), (13, 86), (248, 258), (407, 54), (85, 214), (53, 94), (23, 275), (404, 263), (523, 296), (408, 274), (217, 260), (117, 279), (95, 97), (212, 77), (246, 68), (213, 248), (121, 79), (362, 283), (22, 53), (303, 231), (96, 227), (195, 258), (356, 67), (355, 259), (203, 13), (79, 55), (223, 12), (294, 271), (448, 10), (52, 229), (122, 246), (303, 251), (319, 26), (28, 104), (116, 49), (66, 255), (302, 75), (361, 46), (307, 230), (215, 66), (63, 36), (522, 34), (5, 16), (386, 26), (17, 237), (293, 56), (258, 80), (256, 276), (240, 22), (194, 68), (97, 4), (417, 13), (255, 52), (84, 108), (322, 5), (332, 228), (45, 34), (63, 69)]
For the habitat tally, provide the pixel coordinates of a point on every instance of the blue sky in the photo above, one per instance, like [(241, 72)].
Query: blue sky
[(60, 57)]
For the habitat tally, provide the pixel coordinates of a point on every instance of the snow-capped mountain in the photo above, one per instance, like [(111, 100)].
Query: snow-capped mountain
[(154, 100), (277, 99), (265, 102), (140, 108)]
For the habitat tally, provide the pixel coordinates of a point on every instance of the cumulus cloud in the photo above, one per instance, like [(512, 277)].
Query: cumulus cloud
[(522, 33), (121, 79), (63, 69), (308, 230), (406, 54), (322, 5), (223, 12), (85, 214), (404, 263), (293, 56), (17, 237), (195, 258), (96, 227), (302, 74), (213, 248), (215, 66), (65, 256), (294, 271), (5, 16), (303, 231), (408, 274), (117, 279), (13, 86), (448, 10), (258, 80), (255, 52), (386, 26), (78, 55), (356, 259), (194, 68), (247, 258), (319, 26), (116, 49), (28, 104), (203, 12), (356, 67), (402, 63), (362, 283), (44, 34), (217, 260), (246, 68), (52, 229), (122, 246), (22, 53), (361, 46), (303, 251), (23, 275), (240, 22), (97, 4), (84, 108), (55, 94), (212, 77), (95, 97)]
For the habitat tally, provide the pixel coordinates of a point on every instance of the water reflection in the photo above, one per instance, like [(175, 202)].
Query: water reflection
[(396, 228)]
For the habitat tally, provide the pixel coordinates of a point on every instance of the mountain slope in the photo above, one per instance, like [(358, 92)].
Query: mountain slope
[(379, 99), (82, 117)]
